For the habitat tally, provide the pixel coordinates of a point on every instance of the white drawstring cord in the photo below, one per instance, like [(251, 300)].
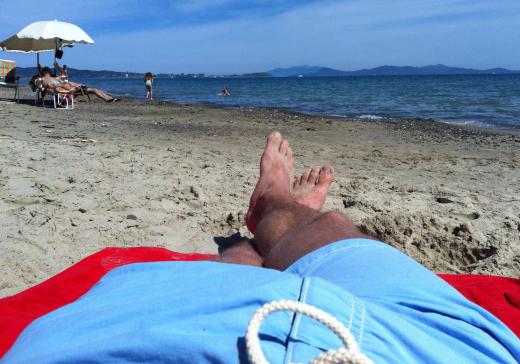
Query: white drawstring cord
[(349, 354)]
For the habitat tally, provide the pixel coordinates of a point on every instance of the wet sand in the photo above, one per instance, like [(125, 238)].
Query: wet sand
[(141, 173)]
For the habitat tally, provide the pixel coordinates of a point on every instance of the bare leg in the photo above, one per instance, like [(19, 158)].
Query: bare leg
[(284, 229), (269, 157), (309, 230), (310, 189), (102, 95), (243, 253), (278, 154), (74, 84)]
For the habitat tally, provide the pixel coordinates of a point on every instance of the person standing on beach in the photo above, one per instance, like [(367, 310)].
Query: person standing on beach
[(148, 82)]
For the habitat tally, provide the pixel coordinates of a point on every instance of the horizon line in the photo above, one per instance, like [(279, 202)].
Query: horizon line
[(284, 68)]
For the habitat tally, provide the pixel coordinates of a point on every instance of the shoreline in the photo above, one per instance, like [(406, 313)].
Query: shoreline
[(412, 121), (386, 119), (318, 115), (443, 194)]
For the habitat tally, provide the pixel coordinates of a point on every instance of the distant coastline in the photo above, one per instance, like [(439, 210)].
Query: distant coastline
[(298, 71)]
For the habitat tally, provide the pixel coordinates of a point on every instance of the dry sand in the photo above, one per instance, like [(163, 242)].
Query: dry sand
[(177, 176)]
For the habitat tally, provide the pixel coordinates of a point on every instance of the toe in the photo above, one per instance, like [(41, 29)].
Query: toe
[(305, 176), (284, 147), (314, 175), (290, 161), (273, 141), (296, 182), (326, 174), (289, 155)]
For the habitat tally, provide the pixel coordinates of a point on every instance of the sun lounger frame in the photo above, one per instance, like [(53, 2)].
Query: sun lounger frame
[(56, 99)]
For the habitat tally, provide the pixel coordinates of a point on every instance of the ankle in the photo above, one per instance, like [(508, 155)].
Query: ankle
[(281, 220), (271, 229), (272, 200)]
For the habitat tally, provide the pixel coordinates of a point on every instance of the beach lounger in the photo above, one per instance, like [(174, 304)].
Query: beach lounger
[(60, 98), (8, 77)]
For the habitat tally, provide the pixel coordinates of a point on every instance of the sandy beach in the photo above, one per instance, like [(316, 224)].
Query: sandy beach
[(141, 173)]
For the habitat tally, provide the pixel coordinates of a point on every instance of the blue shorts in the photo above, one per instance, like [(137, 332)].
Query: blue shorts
[(397, 310)]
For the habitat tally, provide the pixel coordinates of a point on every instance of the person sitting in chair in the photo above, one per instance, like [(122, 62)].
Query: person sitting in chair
[(64, 72), (47, 82)]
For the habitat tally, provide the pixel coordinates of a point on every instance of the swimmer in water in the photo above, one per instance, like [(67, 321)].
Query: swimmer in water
[(225, 92)]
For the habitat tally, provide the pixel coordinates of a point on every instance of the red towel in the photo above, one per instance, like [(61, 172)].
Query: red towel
[(18, 311), (500, 296)]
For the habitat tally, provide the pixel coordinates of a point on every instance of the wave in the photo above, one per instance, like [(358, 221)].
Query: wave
[(370, 117), (478, 124)]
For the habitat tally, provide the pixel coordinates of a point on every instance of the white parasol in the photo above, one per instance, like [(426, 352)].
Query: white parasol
[(45, 36)]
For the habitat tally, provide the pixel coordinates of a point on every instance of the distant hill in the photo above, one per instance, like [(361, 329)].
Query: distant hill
[(438, 69), (305, 71)]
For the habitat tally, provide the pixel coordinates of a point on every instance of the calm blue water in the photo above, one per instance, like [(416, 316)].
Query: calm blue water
[(488, 101)]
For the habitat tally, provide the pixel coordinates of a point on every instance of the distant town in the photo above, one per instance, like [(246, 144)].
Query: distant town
[(203, 75)]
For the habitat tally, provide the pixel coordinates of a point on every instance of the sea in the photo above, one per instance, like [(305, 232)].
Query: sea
[(489, 101)]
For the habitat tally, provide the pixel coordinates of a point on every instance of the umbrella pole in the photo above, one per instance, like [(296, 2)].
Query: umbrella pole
[(54, 64), (38, 63)]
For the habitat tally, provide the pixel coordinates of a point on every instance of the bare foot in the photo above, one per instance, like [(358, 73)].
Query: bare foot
[(276, 171), (242, 253), (310, 189)]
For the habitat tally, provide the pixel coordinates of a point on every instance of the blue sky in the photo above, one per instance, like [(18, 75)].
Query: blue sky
[(235, 36)]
